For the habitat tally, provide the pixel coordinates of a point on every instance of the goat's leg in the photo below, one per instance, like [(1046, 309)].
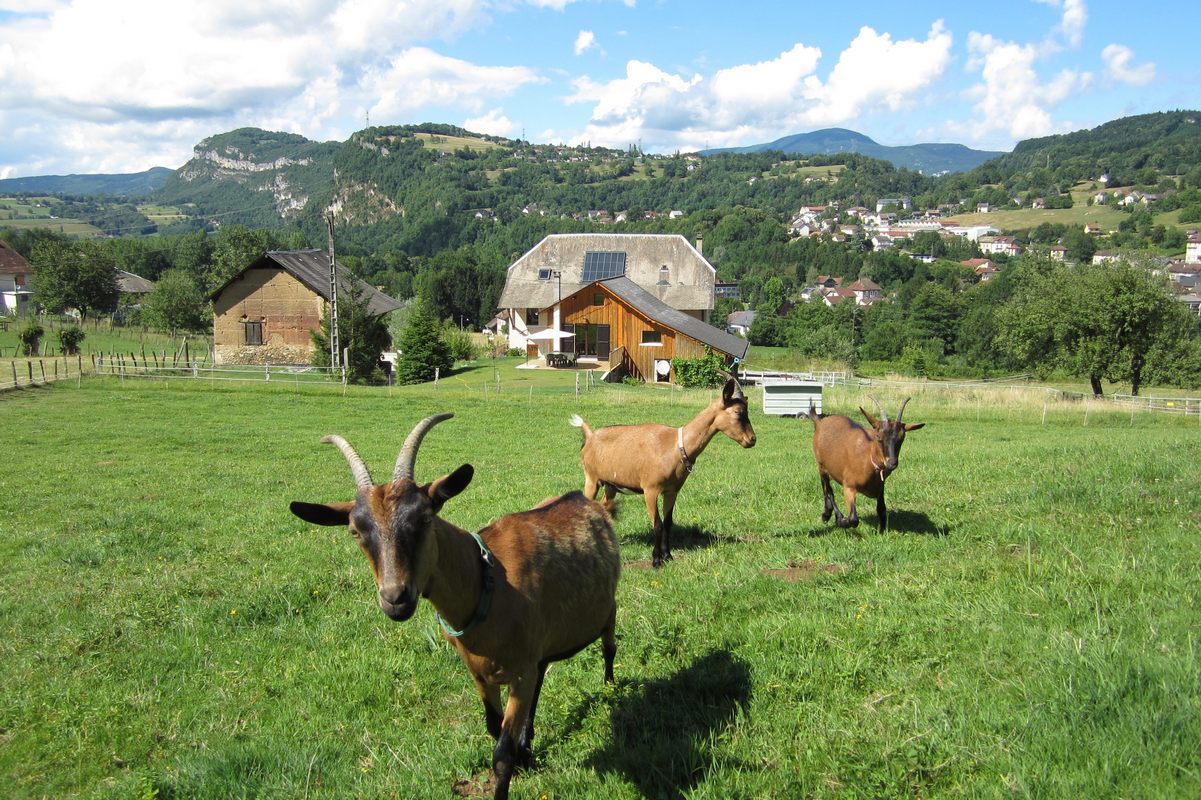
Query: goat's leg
[(504, 756), (852, 518), (609, 644), (882, 511), (828, 499), (591, 484), (611, 500), (652, 509), (525, 743), (492, 708), (669, 503)]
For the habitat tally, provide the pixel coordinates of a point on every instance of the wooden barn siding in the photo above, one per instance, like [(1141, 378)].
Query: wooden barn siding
[(625, 330), (289, 310)]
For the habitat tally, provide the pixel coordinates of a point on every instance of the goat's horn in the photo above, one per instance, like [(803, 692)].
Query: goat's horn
[(357, 468), (738, 395), (902, 411), (408, 452), (883, 413)]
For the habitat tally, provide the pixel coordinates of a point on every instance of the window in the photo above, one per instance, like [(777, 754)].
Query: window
[(599, 265), (254, 332), (531, 316), (652, 337), (598, 299), (544, 274)]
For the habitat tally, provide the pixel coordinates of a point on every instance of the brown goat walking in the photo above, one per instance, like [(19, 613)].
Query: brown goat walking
[(858, 459), (529, 589), (654, 460)]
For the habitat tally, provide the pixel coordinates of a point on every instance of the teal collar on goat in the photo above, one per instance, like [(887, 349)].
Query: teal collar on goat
[(485, 603)]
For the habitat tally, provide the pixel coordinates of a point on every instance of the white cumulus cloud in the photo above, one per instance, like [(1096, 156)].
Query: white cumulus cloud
[(584, 41), (1012, 99), (419, 77), (1119, 65), (494, 123), (670, 111)]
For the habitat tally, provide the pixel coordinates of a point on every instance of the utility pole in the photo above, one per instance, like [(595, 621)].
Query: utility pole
[(334, 347)]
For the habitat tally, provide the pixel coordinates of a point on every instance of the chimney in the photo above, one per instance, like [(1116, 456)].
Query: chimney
[(700, 244)]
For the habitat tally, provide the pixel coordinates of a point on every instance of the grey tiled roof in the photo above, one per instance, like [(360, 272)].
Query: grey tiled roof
[(311, 267), (655, 309)]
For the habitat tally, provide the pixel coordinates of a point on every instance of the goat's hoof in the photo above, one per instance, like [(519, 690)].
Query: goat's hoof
[(657, 562), (826, 516), (524, 758)]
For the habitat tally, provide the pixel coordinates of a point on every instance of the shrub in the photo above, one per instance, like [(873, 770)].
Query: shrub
[(30, 337), (69, 339), (699, 373), (462, 348)]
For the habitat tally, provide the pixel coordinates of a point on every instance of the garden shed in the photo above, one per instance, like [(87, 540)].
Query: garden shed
[(615, 320)]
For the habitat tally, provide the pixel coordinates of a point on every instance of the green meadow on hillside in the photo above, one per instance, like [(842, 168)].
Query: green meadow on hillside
[(1028, 628)]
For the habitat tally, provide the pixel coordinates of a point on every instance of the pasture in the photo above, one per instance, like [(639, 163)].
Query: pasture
[(1028, 628)]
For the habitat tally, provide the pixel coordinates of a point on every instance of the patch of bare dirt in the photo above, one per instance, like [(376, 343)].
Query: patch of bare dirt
[(482, 784), (807, 570)]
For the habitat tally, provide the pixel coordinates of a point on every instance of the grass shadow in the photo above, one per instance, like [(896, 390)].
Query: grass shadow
[(915, 522), (662, 730), (898, 522)]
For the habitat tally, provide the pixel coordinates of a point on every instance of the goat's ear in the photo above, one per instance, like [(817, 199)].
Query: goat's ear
[(322, 513), (875, 422), (913, 426), (448, 486), (731, 392)]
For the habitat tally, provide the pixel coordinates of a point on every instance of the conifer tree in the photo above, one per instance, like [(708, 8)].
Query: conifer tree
[(422, 349)]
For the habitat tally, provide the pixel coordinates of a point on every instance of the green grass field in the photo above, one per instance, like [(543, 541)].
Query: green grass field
[(40, 212), (102, 337), (1029, 628)]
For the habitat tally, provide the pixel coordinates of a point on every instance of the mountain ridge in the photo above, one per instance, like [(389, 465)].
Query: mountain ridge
[(929, 158), (118, 184)]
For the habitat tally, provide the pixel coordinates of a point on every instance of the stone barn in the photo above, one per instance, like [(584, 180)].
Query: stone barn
[(265, 313)]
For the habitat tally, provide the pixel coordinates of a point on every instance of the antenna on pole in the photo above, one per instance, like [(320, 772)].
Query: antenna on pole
[(334, 347)]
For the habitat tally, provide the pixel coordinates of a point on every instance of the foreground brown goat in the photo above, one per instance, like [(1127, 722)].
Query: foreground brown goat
[(529, 589), (858, 459), (655, 460)]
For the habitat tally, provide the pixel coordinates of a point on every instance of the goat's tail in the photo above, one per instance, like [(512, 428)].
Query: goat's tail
[(578, 422), (813, 415)]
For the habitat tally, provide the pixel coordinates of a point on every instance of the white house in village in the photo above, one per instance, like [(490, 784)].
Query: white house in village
[(1192, 251)]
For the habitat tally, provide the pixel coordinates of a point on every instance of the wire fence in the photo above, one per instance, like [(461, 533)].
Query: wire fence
[(37, 371)]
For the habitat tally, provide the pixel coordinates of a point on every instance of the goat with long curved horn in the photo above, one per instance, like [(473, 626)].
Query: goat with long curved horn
[(901, 413), (408, 451), (858, 458), (883, 413), (362, 477), (529, 589)]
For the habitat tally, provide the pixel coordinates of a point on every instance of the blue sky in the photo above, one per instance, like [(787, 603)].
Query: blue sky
[(123, 85)]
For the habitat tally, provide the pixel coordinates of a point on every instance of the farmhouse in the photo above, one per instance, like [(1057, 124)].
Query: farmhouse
[(615, 320), (15, 287), (265, 313), (665, 265)]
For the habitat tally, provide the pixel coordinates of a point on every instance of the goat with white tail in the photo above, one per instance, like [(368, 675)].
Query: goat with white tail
[(654, 460)]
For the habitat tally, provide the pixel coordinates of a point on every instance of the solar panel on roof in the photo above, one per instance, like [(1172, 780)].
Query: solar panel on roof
[(599, 265)]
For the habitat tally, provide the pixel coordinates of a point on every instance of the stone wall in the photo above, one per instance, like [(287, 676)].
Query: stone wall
[(287, 309)]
